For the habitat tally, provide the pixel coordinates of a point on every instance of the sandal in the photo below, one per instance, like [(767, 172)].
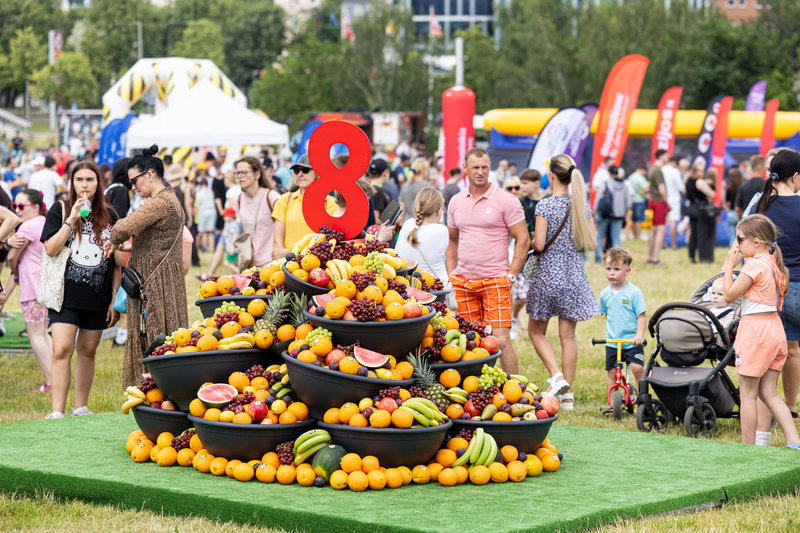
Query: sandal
[(567, 401), (558, 385)]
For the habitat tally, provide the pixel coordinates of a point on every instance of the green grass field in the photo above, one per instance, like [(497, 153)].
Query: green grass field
[(674, 281)]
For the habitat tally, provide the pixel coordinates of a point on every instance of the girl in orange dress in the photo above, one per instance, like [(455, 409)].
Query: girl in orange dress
[(761, 348)]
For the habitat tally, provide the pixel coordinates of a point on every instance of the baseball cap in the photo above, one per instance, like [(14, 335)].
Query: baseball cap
[(302, 162), (229, 212), (378, 166)]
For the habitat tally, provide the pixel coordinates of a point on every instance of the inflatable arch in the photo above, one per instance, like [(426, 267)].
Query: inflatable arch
[(741, 124), (173, 77)]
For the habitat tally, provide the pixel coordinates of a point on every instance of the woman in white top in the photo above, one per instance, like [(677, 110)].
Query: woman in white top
[(424, 238)]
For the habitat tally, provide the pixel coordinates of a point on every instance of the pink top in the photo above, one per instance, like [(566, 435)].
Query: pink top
[(483, 236), (30, 260), (264, 227), (763, 290)]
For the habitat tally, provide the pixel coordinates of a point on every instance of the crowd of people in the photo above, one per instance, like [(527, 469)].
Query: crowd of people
[(500, 240)]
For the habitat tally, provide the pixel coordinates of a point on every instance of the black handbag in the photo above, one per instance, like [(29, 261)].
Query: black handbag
[(133, 283), (605, 205)]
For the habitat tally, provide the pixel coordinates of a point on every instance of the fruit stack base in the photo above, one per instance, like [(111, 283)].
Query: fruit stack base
[(684, 473)]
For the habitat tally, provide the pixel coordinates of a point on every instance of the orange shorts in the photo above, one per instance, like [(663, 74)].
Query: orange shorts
[(487, 301), (760, 345)]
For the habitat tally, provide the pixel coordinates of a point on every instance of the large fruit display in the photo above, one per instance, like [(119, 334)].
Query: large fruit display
[(386, 417)]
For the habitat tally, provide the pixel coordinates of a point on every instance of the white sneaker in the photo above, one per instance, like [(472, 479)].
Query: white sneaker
[(514, 333), (80, 411), (55, 414)]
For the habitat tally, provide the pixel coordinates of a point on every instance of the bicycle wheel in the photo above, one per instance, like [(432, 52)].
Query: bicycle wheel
[(616, 404), (695, 427), (652, 416)]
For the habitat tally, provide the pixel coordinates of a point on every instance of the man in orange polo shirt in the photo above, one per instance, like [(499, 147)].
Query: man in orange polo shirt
[(481, 220)]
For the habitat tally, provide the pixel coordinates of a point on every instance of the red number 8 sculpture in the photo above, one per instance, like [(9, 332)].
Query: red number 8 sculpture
[(331, 178)]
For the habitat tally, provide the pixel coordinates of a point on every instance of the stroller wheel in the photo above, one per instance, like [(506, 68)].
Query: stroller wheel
[(616, 404), (700, 424), (652, 416)]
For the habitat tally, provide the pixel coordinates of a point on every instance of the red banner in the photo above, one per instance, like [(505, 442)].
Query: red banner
[(620, 95), (664, 134), (458, 108), (718, 144), (768, 130)]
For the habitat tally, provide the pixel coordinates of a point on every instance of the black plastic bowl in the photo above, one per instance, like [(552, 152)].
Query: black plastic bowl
[(525, 435), (298, 285), (467, 368), (408, 270), (179, 375), (441, 296), (207, 305), (392, 446), (154, 422), (320, 388), (246, 441), (395, 337)]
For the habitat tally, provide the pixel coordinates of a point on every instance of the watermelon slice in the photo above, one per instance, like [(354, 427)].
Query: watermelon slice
[(421, 296), (410, 263), (241, 281), (217, 394), (368, 358), (321, 300)]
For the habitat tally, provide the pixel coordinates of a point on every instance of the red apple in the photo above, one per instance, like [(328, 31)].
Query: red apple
[(469, 407), (490, 343), (412, 310), (541, 413), (318, 277), (387, 404), (167, 405), (551, 405), (155, 405), (258, 410), (334, 356)]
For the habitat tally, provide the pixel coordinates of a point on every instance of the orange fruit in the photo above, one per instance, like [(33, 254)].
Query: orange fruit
[(462, 473), (426, 342), (349, 365), (517, 471), (447, 477), (380, 418), (208, 289), (287, 417), (404, 394), (243, 472), (224, 285), (374, 293), (499, 399), (229, 329), (420, 474), (512, 391), (303, 330), (230, 466), (357, 481), (286, 474), (202, 462), (321, 346), (550, 462), (402, 418), (285, 332), (299, 410), (450, 378), (376, 480), (406, 473), (331, 416), (155, 395), (480, 353), (300, 274), (239, 380), (479, 475), (405, 369), (218, 466), (501, 416), (381, 283), (266, 272), (498, 472), (141, 452), (256, 307), (471, 384), (184, 457), (335, 309), (266, 473), (434, 469), (457, 442), (394, 311), (450, 322), (392, 296), (396, 375), (136, 434), (246, 319), (207, 343), (242, 418), (182, 336), (305, 475), (131, 444), (351, 462), (509, 453), (534, 465), (357, 259), (263, 339), (164, 439), (154, 452), (446, 457), (454, 410), (369, 463), (429, 332), (195, 444), (394, 478), (277, 278), (450, 353), (347, 411), (292, 266), (345, 288), (212, 414), (307, 356), (309, 262), (338, 480), (185, 349), (358, 420), (271, 458), (259, 383), (261, 395)]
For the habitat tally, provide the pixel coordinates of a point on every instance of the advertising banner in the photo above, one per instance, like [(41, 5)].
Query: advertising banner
[(664, 134), (458, 108), (719, 142), (756, 97), (768, 130), (555, 137)]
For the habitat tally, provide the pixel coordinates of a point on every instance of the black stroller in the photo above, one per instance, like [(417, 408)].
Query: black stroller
[(688, 335)]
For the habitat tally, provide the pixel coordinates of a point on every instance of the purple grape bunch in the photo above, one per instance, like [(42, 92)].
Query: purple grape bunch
[(397, 286), (365, 310), (322, 250), (284, 451), (362, 279), (345, 250), (182, 441), (331, 233), (147, 384), (237, 404), (220, 319), (483, 397), (465, 434)]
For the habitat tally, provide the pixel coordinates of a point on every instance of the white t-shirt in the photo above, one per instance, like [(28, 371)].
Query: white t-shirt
[(674, 184), (433, 240), (47, 181), (600, 177)]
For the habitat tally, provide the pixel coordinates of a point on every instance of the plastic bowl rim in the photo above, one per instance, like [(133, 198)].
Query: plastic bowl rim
[(148, 409), (302, 283), (215, 299), (251, 427), (501, 423), (374, 323), (386, 431), (289, 359), (168, 356)]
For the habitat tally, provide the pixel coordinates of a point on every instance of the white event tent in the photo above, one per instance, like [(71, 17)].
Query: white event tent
[(206, 117)]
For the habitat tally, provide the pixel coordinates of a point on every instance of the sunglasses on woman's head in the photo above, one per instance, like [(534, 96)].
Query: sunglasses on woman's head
[(16, 206)]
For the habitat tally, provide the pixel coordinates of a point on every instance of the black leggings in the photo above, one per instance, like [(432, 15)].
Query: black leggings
[(703, 237)]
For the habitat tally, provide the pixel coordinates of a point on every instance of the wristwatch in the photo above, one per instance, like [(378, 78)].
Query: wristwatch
[(512, 278)]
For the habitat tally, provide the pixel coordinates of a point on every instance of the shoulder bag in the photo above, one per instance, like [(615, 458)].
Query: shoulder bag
[(605, 205), (533, 256), (51, 280), (244, 243)]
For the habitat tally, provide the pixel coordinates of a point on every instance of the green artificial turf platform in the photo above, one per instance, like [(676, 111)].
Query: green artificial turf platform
[(605, 475)]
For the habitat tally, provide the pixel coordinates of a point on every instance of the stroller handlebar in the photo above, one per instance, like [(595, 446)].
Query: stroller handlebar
[(618, 341)]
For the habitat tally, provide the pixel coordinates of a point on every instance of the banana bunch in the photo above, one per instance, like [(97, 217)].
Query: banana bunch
[(134, 396), (237, 342), (456, 338), (284, 386), (425, 411), (338, 269), (457, 395), (482, 450), (301, 247), (392, 261), (310, 443), (522, 379)]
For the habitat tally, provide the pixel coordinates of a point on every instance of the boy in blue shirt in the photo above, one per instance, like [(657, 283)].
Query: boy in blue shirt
[(626, 314)]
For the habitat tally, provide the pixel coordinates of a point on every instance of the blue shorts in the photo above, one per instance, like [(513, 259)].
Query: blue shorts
[(790, 313), (634, 355), (638, 214)]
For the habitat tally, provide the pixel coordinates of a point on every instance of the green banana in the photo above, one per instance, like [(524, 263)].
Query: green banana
[(451, 335), (462, 343), (419, 417), (486, 450), (309, 452), (466, 455), (423, 409), (434, 409), (479, 435), (313, 442), (492, 455), (455, 397), (489, 411), (307, 436), (135, 391), (520, 378)]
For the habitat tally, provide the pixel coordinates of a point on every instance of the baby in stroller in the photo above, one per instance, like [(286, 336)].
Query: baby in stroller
[(717, 305)]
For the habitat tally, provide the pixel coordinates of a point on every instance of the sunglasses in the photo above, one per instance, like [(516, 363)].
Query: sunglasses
[(515, 188), (16, 206), (739, 239), (302, 170), (133, 179)]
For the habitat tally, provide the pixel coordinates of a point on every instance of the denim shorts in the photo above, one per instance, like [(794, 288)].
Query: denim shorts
[(790, 313), (634, 355), (638, 214)]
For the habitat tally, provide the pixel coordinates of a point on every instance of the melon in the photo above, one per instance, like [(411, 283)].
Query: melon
[(240, 280), (421, 296), (410, 264), (217, 394), (328, 460), (321, 300), (368, 358)]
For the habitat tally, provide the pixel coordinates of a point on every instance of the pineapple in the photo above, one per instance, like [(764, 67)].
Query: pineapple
[(425, 379), (299, 303), (273, 316)]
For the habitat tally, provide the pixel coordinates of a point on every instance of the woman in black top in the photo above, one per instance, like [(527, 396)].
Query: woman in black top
[(702, 214)]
